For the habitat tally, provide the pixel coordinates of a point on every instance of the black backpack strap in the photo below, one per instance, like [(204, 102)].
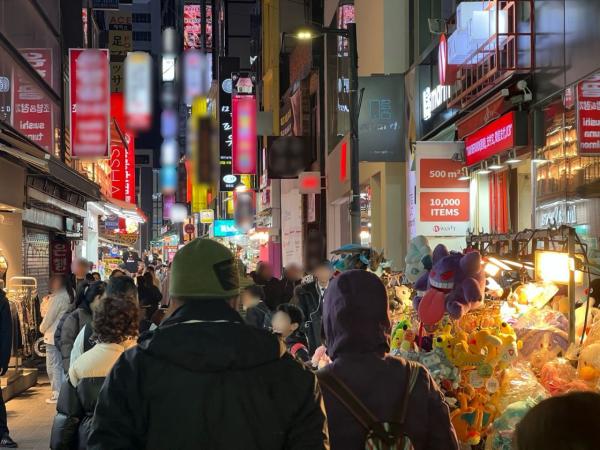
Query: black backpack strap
[(413, 370), (347, 398)]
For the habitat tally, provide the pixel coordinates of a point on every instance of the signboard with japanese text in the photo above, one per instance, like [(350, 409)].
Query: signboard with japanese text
[(120, 42), (588, 115), (503, 134), (90, 102), (380, 122), (227, 66), (441, 199), (32, 108), (244, 152)]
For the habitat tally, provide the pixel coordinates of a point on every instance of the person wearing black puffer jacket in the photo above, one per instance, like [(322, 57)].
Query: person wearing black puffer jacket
[(115, 324)]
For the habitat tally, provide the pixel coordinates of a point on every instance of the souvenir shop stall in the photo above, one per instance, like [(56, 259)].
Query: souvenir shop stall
[(508, 322)]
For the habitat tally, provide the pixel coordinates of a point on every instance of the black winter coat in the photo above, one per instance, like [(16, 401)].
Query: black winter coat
[(205, 380), (71, 327), (309, 300), (259, 316), (5, 331), (74, 412)]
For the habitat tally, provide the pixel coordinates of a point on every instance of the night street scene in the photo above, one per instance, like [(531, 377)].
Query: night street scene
[(299, 224)]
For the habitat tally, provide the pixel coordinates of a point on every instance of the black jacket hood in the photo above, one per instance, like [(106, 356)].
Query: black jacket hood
[(209, 336)]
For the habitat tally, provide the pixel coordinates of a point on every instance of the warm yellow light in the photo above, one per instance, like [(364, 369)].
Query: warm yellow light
[(491, 269), (304, 35), (555, 267)]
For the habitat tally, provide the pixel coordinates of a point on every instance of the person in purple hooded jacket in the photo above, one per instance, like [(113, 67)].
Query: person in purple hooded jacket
[(357, 332)]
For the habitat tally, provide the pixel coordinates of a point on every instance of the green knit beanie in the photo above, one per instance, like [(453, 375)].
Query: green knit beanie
[(203, 268)]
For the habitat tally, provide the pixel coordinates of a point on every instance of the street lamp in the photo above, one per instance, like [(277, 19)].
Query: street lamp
[(308, 32)]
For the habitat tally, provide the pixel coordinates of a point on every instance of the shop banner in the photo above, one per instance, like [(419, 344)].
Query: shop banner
[(588, 115), (244, 157), (490, 140), (225, 228), (292, 227), (442, 201), (60, 257), (33, 110), (90, 107)]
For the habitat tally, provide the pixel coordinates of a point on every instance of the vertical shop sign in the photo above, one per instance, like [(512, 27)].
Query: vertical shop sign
[(33, 110), (120, 42), (227, 66), (138, 91), (122, 156), (192, 26), (442, 200), (244, 134), (588, 115), (60, 257), (90, 108)]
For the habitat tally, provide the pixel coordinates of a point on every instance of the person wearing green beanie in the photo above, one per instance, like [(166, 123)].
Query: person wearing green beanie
[(205, 379)]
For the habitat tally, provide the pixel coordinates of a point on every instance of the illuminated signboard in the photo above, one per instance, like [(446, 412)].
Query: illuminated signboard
[(244, 134), (225, 228)]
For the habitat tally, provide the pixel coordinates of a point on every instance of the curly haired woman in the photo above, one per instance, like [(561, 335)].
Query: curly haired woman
[(115, 323)]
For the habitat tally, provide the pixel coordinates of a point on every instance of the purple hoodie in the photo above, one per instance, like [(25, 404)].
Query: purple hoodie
[(357, 331)]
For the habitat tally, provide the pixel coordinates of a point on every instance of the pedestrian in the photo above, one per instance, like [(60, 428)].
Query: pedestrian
[(5, 351), (120, 287), (204, 379), (309, 298), (155, 280), (258, 313), (287, 322), (80, 268), (115, 324), (565, 422), (96, 276), (58, 303), (117, 273), (357, 330), (79, 318), (263, 276), (148, 294), (292, 276)]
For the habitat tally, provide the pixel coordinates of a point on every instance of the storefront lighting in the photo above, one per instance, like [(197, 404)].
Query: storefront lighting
[(484, 170), (365, 235), (496, 164), (241, 187), (465, 176), (512, 157), (555, 267)]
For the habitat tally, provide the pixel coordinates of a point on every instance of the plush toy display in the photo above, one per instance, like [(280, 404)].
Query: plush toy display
[(588, 367), (418, 258), (455, 284)]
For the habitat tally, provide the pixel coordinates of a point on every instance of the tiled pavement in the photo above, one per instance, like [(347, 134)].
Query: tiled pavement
[(30, 417)]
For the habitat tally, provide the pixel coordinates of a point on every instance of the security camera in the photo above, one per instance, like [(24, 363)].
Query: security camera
[(522, 85), (527, 94)]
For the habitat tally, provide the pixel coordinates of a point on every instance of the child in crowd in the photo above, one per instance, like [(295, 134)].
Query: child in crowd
[(258, 313), (287, 322)]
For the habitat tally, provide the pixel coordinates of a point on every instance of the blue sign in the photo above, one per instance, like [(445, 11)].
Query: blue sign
[(106, 4), (225, 228)]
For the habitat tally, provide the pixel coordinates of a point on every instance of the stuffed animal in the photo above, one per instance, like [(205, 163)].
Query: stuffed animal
[(441, 369), (403, 294), (398, 334), (418, 258), (455, 284), (588, 367), (472, 417)]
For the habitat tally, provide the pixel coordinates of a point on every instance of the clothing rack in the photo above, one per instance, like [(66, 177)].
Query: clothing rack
[(21, 293)]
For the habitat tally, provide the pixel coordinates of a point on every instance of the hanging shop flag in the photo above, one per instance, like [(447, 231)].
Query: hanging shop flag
[(90, 107), (32, 108), (441, 204), (588, 117), (244, 134), (138, 91)]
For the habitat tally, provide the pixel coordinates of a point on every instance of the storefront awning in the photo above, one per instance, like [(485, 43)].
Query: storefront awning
[(124, 210)]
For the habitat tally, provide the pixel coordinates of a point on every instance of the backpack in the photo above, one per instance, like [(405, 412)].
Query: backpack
[(380, 435)]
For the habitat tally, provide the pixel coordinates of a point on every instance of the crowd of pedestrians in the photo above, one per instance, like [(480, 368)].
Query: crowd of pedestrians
[(201, 355)]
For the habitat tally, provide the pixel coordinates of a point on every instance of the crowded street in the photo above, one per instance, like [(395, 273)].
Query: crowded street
[(299, 224)]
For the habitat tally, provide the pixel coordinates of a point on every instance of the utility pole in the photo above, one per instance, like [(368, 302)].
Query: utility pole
[(355, 223)]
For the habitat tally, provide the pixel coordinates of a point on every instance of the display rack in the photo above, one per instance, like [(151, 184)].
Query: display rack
[(22, 292)]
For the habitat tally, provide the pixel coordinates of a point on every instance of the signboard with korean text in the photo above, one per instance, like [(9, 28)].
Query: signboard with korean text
[(588, 116), (90, 102), (380, 122), (32, 108), (227, 66), (501, 135), (60, 257), (442, 200), (244, 151)]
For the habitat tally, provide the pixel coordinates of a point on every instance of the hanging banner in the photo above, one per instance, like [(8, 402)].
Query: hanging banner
[(90, 107), (244, 134), (138, 91), (588, 116), (32, 109), (442, 200)]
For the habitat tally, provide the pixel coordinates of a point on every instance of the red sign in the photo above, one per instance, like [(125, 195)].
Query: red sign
[(90, 107), (122, 157), (588, 119), (60, 257), (442, 59), (33, 110), (490, 140), (441, 173), (444, 206), (243, 114), (344, 162), (309, 182)]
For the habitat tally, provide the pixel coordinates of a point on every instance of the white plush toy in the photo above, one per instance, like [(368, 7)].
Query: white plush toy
[(418, 258)]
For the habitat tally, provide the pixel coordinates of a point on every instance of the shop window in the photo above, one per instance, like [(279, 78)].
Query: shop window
[(23, 26), (567, 180)]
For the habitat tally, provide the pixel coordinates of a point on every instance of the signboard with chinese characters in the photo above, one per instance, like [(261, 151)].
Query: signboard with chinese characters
[(380, 122), (501, 135), (588, 115), (227, 66), (442, 200), (32, 109), (90, 107)]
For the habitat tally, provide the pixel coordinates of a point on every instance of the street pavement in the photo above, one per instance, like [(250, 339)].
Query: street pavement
[(30, 417)]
